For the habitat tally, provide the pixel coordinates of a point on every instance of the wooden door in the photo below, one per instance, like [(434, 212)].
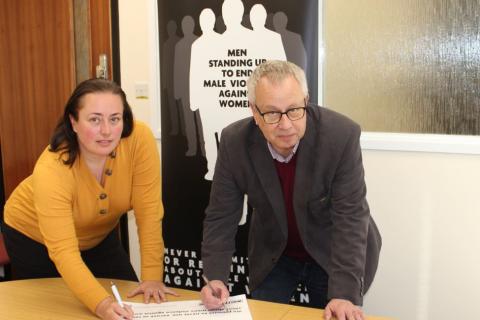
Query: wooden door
[(38, 72)]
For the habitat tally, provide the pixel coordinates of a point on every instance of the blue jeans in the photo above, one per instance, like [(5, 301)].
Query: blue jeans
[(282, 282)]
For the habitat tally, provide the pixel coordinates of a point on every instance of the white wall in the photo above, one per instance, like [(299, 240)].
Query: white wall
[(137, 65), (425, 204)]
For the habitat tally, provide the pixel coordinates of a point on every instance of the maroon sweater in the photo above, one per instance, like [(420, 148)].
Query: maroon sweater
[(286, 173)]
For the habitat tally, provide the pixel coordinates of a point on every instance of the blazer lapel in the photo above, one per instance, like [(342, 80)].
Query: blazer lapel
[(267, 174), (304, 172)]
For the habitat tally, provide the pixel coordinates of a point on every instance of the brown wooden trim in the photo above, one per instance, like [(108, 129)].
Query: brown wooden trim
[(100, 28)]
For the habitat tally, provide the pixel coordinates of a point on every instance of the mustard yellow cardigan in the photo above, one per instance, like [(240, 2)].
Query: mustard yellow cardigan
[(67, 210)]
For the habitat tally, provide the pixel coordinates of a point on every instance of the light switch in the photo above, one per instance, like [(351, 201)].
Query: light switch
[(141, 90)]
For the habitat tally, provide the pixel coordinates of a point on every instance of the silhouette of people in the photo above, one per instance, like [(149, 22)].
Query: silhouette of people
[(219, 88), (168, 54), (220, 65), (202, 97), (181, 82), (267, 38), (292, 42), (232, 13)]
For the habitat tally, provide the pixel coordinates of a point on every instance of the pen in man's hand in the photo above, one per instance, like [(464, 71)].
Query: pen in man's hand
[(116, 294), (207, 282)]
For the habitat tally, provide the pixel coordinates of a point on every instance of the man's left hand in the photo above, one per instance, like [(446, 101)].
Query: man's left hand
[(343, 310)]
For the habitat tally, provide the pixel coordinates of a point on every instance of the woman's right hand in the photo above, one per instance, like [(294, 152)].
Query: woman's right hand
[(109, 309)]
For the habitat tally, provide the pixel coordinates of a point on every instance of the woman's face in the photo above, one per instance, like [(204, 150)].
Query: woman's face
[(100, 124)]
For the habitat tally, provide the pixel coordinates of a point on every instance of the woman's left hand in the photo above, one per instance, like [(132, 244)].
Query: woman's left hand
[(151, 288)]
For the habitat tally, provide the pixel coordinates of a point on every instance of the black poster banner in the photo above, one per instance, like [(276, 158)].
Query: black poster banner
[(207, 51)]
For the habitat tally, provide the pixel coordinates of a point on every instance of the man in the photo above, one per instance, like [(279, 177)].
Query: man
[(301, 167)]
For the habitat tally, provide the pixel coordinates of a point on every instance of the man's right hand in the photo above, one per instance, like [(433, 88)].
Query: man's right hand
[(214, 299)]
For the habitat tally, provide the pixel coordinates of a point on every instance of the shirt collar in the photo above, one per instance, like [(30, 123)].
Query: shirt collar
[(277, 156)]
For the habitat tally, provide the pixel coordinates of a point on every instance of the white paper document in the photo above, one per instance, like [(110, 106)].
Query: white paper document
[(236, 308)]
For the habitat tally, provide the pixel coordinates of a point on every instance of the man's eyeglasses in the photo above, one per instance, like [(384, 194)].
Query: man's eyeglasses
[(272, 117)]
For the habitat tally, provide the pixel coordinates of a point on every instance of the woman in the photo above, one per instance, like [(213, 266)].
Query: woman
[(100, 164)]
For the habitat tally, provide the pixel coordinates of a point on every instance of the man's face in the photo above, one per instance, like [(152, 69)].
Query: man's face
[(280, 96)]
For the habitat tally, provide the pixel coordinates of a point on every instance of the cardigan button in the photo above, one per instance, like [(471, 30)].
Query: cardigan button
[(103, 211), (103, 196), (108, 172)]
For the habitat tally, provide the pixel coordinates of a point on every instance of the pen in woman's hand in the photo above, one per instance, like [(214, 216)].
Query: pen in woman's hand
[(116, 294)]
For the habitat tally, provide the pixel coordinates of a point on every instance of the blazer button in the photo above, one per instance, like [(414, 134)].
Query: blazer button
[(103, 196), (108, 172), (103, 211)]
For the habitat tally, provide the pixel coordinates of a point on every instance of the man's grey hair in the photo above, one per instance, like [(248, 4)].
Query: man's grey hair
[(275, 71)]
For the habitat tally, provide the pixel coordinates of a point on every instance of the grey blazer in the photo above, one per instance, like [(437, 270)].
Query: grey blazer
[(332, 213)]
